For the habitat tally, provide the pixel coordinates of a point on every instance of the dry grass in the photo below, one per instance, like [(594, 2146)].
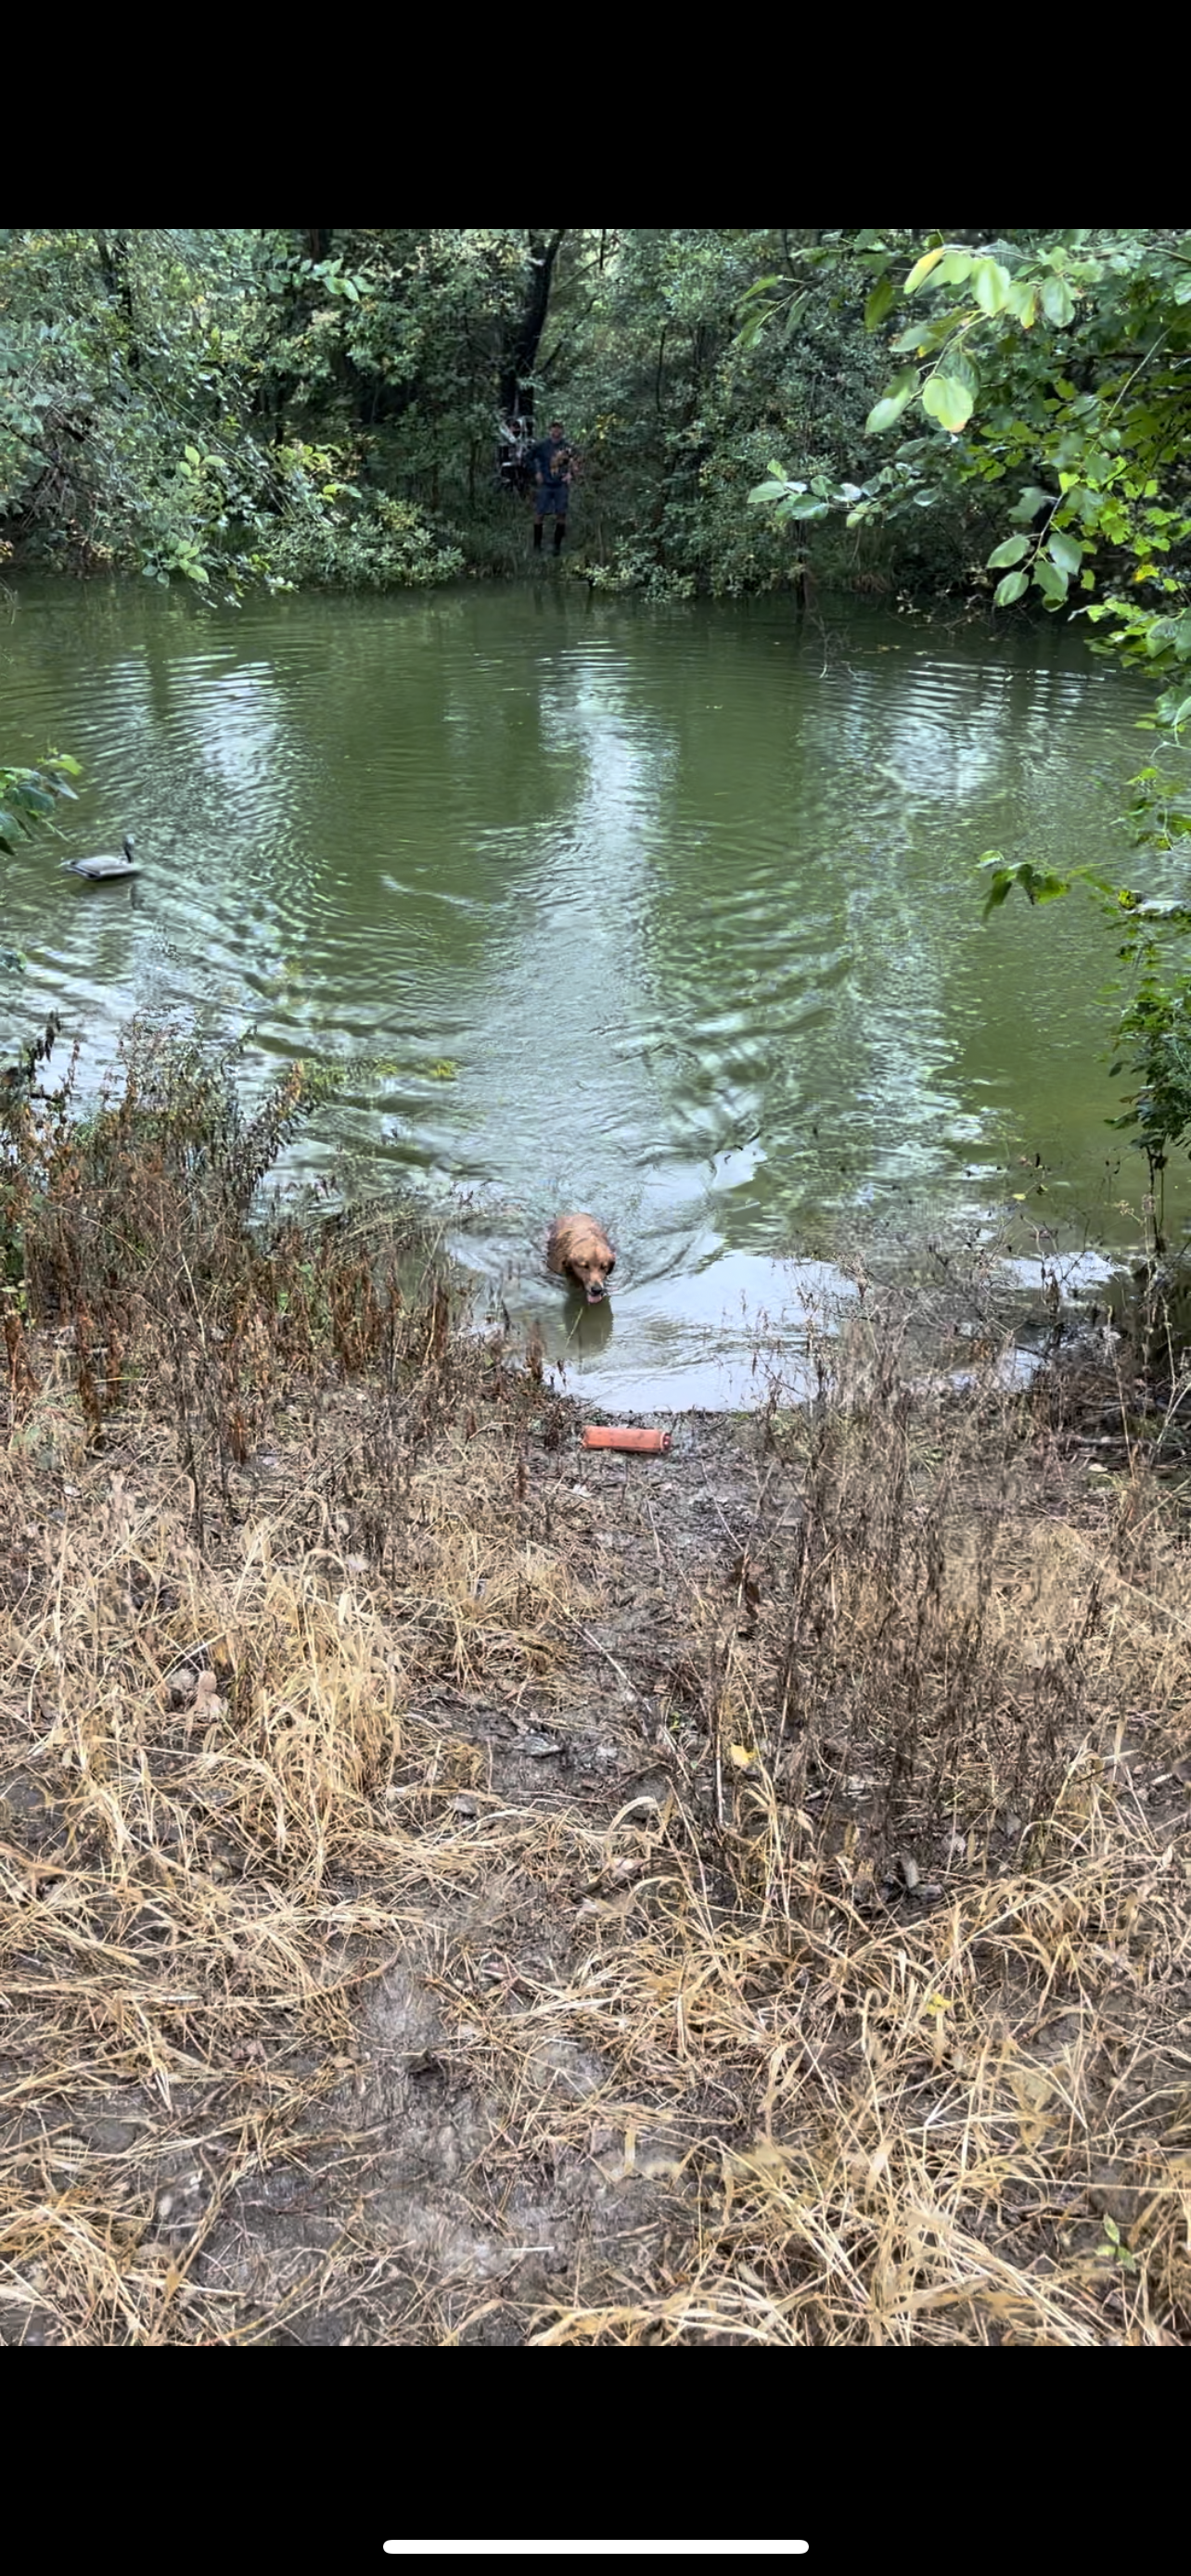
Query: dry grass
[(446, 1895), (219, 1811)]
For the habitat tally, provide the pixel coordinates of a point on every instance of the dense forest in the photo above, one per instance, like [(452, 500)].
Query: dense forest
[(326, 406), (285, 408), (230, 408), (336, 406), (352, 407)]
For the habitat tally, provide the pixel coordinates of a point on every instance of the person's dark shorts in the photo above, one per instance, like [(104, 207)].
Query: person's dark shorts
[(551, 497)]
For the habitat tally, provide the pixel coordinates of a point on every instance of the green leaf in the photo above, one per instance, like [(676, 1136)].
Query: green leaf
[(991, 285), (1000, 886), (1010, 552), (923, 336), (1023, 302), (1058, 302), (1014, 586), (956, 268), (922, 268), (1051, 582), (1031, 501), (1039, 885), (1065, 551), (948, 401), (878, 302), (769, 491), (892, 404)]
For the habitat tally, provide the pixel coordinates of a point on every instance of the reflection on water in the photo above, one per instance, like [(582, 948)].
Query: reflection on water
[(724, 1335), (669, 916)]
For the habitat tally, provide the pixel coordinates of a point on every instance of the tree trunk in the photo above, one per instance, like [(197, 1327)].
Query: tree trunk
[(113, 262), (523, 337)]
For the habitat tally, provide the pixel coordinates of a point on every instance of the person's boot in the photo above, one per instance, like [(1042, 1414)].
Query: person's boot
[(537, 536), (559, 534)]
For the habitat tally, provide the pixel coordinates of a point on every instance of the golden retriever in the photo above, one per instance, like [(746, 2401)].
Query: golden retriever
[(578, 1250)]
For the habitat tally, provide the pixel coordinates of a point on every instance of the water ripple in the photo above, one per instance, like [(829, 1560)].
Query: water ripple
[(674, 915)]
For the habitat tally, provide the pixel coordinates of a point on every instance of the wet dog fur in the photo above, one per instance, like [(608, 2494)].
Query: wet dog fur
[(578, 1250)]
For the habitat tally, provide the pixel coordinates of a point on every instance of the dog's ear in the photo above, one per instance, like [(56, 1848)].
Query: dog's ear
[(610, 1265)]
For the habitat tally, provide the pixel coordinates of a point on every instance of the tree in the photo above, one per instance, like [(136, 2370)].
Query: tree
[(135, 427), (523, 331)]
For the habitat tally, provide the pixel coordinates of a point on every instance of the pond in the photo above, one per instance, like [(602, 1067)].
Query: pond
[(671, 915)]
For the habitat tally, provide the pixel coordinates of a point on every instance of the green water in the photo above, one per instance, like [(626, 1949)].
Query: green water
[(670, 916)]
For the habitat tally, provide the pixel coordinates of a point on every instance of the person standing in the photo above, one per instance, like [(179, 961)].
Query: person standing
[(553, 465)]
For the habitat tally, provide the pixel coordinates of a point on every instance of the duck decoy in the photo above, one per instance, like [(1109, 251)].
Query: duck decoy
[(107, 866)]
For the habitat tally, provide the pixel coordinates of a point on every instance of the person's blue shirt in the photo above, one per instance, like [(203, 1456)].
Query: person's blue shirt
[(552, 459)]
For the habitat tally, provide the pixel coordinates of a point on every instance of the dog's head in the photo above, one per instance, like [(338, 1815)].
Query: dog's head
[(591, 1266)]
